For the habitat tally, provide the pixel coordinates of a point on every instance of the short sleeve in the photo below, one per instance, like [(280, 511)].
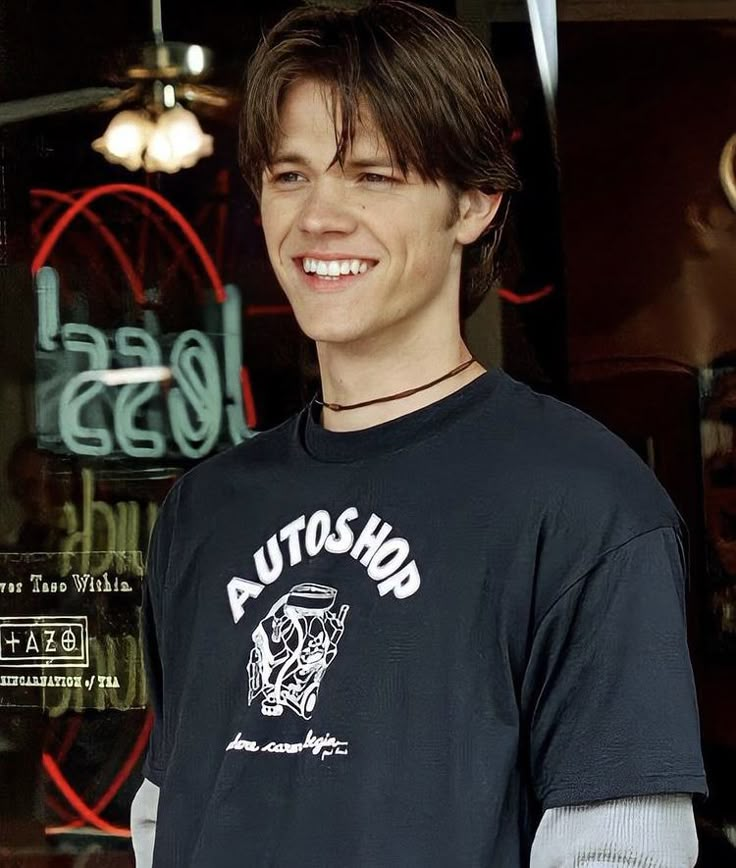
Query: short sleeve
[(153, 628), (608, 693)]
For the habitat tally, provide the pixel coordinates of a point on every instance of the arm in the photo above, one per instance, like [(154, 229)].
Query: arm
[(609, 690), (640, 832), (143, 813), (144, 808)]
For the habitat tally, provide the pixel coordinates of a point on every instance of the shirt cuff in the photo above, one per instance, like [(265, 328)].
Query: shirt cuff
[(639, 832)]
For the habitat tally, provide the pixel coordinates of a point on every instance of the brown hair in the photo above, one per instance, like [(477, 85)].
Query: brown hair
[(429, 84)]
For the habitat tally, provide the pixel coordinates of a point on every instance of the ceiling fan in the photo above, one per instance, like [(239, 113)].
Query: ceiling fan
[(158, 76)]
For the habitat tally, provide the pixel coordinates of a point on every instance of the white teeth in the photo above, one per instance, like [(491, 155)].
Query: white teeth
[(334, 267)]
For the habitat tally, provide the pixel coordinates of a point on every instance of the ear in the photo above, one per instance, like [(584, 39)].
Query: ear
[(477, 211), (711, 226)]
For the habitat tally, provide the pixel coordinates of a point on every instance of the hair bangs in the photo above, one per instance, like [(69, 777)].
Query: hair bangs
[(419, 81)]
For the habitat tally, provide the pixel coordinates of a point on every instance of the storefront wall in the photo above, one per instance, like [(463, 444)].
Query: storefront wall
[(617, 296)]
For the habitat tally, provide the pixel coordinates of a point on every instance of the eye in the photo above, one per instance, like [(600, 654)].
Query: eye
[(286, 177), (376, 178)]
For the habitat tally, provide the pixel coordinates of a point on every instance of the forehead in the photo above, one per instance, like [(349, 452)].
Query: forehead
[(308, 119)]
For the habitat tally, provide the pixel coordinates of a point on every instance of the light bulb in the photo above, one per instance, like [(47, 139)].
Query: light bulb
[(125, 139), (177, 142), (195, 59)]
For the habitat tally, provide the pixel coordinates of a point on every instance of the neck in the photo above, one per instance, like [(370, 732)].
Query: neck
[(351, 375)]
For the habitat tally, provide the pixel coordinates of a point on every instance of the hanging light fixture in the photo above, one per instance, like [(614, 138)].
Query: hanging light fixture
[(125, 139), (163, 136), (176, 142), (172, 142)]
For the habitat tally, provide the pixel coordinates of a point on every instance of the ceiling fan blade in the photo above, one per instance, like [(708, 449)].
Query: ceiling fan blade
[(218, 97), (127, 94), (52, 104)]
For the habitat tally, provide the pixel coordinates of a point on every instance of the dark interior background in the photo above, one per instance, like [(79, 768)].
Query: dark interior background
[(605, 280)]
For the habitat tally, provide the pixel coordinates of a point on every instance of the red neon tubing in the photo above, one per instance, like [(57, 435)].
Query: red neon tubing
[(70, 736), (121, 777), (197, 221), (54, 772), (223, 189), (106, 189), (124, 772), (149, 215), (127, 767), (98, 223), (514, 298), (122, 257), (47, 246), (251, 418), (56, 805), (143, 234), (40, 218), (45, 213), (177, 247)]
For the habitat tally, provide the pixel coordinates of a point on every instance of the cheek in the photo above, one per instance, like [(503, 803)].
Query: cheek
[(425, 251), (272, 223)]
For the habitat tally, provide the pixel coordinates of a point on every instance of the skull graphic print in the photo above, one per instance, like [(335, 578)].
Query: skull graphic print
[(292, 648)]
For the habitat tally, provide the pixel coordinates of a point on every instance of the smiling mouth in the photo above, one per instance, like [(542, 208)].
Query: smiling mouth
[(335, 269)]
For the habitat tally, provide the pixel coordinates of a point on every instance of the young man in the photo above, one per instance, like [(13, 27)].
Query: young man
[(436, 619)]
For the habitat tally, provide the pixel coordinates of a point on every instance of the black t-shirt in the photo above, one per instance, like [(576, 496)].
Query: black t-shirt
[(398, 646)]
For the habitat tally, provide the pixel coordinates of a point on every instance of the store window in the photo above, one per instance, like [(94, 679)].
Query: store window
[(646, 133), (110, 270), (142, 332)]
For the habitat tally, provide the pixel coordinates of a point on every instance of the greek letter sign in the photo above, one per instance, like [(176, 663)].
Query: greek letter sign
[(69, 636)]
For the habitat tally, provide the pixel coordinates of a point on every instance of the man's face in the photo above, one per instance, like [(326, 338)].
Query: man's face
[(384, 247)]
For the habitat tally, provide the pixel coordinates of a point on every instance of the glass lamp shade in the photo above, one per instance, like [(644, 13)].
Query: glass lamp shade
[(176, 143), (727, 170), (125, 139)]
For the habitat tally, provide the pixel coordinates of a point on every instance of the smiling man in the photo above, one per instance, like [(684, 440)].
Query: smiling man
[(368, 255), (435, 619)]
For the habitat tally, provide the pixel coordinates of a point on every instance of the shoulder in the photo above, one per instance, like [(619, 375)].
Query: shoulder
[(263, 452), (232, 474), (230, 481), (576, 467), (576, 491)]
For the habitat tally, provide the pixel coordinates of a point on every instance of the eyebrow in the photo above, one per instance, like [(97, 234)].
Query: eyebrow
[(379, 162)]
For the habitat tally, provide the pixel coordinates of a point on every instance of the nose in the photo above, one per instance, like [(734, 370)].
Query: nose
[(326, 209)]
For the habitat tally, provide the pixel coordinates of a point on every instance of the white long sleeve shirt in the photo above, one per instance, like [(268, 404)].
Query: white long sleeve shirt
[(638, 832)]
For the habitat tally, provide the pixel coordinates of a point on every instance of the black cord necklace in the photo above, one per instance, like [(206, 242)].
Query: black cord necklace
[(339, 407)]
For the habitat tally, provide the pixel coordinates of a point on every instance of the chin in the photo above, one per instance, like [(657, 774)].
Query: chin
[(337, 330), (334, 335)]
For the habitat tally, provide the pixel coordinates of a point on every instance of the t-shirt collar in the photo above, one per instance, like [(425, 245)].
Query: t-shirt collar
[(396, 434)]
